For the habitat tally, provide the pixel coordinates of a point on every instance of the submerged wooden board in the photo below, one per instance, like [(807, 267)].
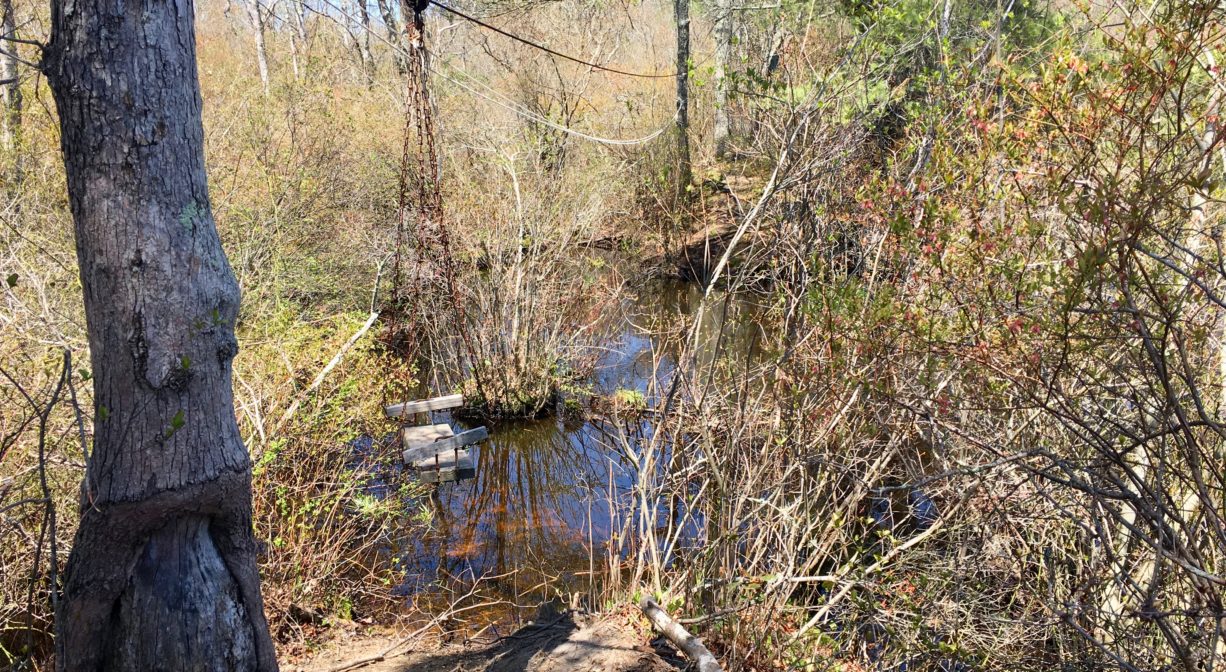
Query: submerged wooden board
[(446, 467), (449, 475), (415, 454), (419, 437), (445, 460), (424, 405)]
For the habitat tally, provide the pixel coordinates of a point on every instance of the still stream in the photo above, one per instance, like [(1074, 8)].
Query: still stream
[(548, 496)]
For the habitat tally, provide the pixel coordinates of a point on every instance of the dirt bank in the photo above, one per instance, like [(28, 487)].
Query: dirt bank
[(569, 641)]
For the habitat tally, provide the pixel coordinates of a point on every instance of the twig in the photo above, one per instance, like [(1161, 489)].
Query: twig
[(22, 502), (48, 528), (717, 615), (878, 565), (382, 655), (19, 40), (87, 486), (15, 57)]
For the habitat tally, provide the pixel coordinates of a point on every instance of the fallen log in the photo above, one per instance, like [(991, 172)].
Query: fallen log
[(690, 645)]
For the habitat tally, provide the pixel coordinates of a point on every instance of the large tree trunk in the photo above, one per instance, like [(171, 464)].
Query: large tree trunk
[(723, 57), (256, 13), (394, 35), (10, 88), (681, 9), (162, 574)]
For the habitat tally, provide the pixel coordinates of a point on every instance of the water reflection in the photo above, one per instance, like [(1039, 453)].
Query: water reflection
[(540, 499), (546, 496)]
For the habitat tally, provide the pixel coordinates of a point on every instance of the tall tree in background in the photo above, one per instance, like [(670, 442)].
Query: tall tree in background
[(395, 35), (723, 54), (363, 41), (10, 88), (299, 8), (681, 9), (162, 573), (255, 12), (296, 17)]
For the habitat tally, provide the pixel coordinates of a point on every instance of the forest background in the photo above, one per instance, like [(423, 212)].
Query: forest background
[(984, 427)]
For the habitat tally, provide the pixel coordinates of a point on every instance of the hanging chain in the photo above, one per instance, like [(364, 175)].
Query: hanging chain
[(421, 230)]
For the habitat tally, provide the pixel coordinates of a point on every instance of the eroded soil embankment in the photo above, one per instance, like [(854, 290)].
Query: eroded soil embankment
[(614, 643)]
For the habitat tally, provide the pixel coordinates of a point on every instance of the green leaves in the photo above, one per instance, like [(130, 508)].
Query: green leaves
[(11, 280), (176, 423)]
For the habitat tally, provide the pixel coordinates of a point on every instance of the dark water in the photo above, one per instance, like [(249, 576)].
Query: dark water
[(550, 494)]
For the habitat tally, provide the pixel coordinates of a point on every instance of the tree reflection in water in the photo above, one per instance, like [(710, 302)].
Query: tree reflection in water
[(549, 494), (541, 495)]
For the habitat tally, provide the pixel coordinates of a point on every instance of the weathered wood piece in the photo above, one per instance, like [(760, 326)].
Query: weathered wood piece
[(449, 475), (690, 645), (447, 467), (420, 437), (424, 405), (413, 455)]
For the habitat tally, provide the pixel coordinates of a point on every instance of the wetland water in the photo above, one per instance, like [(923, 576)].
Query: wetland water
[(548, 495)]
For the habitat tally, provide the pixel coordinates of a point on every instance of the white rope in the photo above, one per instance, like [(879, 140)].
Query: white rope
[(509, 105)]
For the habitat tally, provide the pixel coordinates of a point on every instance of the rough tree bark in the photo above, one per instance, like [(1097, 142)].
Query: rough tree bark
[(681, 10), (256, 13), (10, 89), (394, 35), (162, 574), (723, 55)]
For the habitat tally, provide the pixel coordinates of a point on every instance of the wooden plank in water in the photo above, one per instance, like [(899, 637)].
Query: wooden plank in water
[(447, 467), (424, 405), (419, 437), (447, 460), (416, 454)]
